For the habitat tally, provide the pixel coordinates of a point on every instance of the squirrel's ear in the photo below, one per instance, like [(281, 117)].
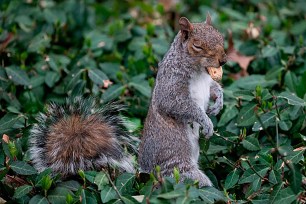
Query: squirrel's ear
[(186, 27), (208, 19)]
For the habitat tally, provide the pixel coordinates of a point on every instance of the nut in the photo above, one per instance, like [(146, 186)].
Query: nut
[(215, 73)]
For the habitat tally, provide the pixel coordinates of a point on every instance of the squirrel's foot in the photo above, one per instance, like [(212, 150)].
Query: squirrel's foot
[(208, 129), (216, 108)]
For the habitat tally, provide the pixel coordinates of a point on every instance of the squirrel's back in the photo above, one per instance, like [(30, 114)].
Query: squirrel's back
[(80, 135)]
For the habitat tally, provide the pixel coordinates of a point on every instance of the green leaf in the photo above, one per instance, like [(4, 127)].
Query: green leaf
[(97, 76), (298, 28), (22, 191), (246, 116), (275, 193), (143, 88), (124, 183), (52, 78), (112, 92), (285, 125), (213, 148), (71, 185), (283, 196), (107, 194), (246, 95), (90, 175), (75, 77), (256, 184), (38, 199), (17, 75), (88, 197), (101, 180), (171, 195), (250, 175), (59, 195), (296, 156), (295, 178), (251, 143), (292, 99), (290, 81), (229, 113), (251, 82), (231, 179), (269, 51), (210, 195), (23, 168), (7, 122), (267, 120), (274, 177), (141, 84), (129, 200)]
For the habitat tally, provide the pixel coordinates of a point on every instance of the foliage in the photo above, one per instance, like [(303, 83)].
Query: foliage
[(53, 49)]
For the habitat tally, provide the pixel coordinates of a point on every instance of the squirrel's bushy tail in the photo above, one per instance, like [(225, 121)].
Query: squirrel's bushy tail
[(80, 135)]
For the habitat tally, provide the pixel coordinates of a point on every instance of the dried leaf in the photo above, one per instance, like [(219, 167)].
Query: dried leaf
[(235, 56), (5, 138)]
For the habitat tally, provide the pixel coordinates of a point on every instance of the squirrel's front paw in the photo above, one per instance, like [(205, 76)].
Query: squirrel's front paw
[(208, 129), (216, 108)]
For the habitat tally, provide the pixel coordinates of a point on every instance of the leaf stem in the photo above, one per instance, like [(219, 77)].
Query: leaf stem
[(113, 185)]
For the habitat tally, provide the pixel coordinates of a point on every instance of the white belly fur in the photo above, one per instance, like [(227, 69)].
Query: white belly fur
[(199, 88)]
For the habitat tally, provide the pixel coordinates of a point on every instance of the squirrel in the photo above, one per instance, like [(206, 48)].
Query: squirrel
[(81, 135), (179, 104)]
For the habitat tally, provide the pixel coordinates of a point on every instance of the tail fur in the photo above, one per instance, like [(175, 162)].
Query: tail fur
[(80, 135)]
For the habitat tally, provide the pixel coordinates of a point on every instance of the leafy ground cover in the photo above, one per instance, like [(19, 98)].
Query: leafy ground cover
[(110, 49)]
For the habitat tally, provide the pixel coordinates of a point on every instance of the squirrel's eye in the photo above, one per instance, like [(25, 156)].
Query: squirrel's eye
[(197, 48)]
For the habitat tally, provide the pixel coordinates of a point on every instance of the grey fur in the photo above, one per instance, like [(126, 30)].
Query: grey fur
[(180, 98)]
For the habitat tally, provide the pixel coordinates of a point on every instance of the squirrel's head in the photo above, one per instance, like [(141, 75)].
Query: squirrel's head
[(203, 42)]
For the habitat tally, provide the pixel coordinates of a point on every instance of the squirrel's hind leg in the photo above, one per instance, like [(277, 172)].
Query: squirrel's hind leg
[(196, 174)]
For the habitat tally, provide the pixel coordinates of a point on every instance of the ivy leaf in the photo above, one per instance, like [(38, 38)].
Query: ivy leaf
[(23, 168), (142, 87), (228, 115), (112, 92), (22, 191), (7, 122), (246, 116), (90, 175), (125, 182), (269, 51), (97, 76), (231, 179), (249, 175), (107, 194), (71, 185), (274, 177), (251, 143), (59, 195), (171, 194), (51, 78), (17, 75), (296, 156), (101, 180), (275, 193), (267, 119), (292, 99), (38, 199), (88, 197), (285, 125), (210, 195), (285, 196), (295, 179), (256, 184)]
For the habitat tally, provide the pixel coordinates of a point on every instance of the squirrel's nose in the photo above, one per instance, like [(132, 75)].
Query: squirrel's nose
[(222, 62)]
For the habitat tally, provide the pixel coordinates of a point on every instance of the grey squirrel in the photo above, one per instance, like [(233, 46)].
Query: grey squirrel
[(80, 135)]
